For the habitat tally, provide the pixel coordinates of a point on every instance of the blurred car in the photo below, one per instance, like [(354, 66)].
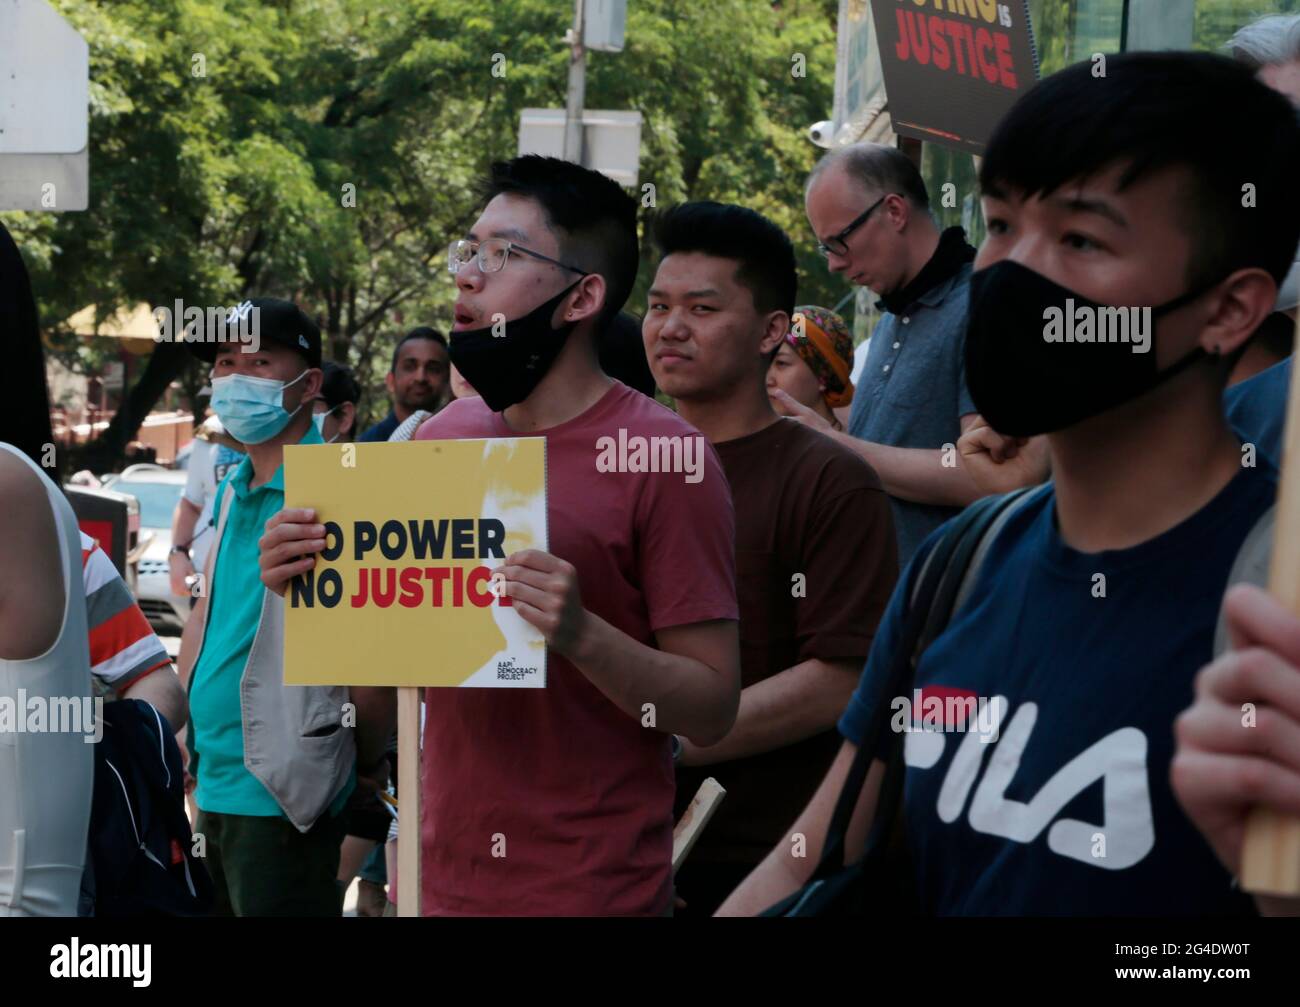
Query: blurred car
[(158, 490)]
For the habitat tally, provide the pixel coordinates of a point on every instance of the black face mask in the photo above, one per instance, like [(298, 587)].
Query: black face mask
[(1024, 384), (505, 368)]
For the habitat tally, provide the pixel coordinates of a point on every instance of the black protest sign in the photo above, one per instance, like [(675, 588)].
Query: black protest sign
[(954, 67)]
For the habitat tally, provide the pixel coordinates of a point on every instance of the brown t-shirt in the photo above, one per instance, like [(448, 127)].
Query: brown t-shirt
[(804, 505)]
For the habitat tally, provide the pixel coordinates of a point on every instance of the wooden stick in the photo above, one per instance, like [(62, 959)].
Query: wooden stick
[(408, 796), (1270, 855), (688, 829)]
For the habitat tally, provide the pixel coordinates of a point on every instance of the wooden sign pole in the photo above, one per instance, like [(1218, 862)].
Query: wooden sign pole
[(1270, 855), (408, 797), (696, 816)]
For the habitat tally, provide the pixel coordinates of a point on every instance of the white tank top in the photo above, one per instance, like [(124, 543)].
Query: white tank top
[(46, 776)]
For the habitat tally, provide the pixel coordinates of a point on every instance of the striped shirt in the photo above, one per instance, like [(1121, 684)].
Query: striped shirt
[(123, 648)]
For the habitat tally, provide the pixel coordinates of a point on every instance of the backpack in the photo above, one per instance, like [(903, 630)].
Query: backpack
[(139, 851), (941, 586)]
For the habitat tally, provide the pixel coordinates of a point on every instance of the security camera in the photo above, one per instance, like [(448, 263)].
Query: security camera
[(820, 133)]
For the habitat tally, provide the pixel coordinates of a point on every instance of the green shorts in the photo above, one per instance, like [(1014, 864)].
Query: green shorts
[(263, 866)]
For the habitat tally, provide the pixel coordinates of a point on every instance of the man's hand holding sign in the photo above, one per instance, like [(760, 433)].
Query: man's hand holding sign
[(544, 589), (289, 547)]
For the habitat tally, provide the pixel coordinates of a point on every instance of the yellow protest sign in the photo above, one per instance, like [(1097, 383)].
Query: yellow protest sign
[(402, 594)]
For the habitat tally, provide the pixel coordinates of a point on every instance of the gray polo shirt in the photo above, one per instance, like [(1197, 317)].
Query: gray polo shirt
[(912, 391)]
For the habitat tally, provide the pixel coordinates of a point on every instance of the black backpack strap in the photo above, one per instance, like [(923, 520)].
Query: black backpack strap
[(1015, 501), (929, 607), (964, 566), (955, 580)]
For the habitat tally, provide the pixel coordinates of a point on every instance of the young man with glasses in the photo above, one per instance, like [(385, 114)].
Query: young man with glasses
[(868, 205), (636, 597)]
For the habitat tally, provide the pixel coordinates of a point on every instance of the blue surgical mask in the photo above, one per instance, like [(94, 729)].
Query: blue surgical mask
[(319, 420), (252, 409)]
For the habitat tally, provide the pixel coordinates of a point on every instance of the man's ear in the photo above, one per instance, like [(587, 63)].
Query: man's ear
[(1246, 298), (586, 300), (312, 383), (390, 382), (347, 418), (898, 210), (778, 324)]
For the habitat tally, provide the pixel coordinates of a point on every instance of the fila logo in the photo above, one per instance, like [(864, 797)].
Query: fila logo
[(302, 341), (1119, 760)]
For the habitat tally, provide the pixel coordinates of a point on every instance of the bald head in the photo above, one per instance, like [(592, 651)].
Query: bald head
[(1271, 47), (877, 169)]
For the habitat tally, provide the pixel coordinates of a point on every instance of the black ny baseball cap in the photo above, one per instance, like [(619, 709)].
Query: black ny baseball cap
[(261, 321)]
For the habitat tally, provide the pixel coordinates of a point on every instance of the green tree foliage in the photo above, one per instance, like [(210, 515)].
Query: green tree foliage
[(228, 136)]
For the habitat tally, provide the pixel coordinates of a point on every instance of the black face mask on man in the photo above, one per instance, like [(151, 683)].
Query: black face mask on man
[(1032, 370), (505, 362)]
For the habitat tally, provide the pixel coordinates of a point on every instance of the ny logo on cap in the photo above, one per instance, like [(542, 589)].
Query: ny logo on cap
[(239, 312)]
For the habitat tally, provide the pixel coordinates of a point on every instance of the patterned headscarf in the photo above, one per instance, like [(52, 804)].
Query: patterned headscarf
[(822, 340)]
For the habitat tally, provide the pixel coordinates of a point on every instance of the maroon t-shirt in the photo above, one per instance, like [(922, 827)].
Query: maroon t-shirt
[(578, 791), (805, 505)]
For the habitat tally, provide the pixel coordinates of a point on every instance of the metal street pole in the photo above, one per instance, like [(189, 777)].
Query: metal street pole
[(577, 88)]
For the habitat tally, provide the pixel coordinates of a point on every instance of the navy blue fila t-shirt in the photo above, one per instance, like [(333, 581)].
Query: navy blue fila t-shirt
[(1074, 666)]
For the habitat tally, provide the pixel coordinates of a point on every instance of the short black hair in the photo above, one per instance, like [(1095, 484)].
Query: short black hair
[(419, 332), (1150, 111), (594, 219), (339, 385), (763, 252), (622, 354)]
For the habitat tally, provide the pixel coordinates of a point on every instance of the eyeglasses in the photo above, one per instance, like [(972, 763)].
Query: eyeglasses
[(492, 254), (836, 243)]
